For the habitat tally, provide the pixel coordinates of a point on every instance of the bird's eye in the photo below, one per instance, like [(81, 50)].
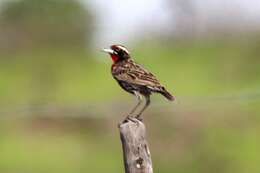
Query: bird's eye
[(120, 52)]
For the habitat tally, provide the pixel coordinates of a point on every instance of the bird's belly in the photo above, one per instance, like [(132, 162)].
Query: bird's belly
[(127, 87), (133, 87)]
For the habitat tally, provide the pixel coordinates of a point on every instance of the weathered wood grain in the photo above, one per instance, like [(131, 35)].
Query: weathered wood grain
[(137, 157)]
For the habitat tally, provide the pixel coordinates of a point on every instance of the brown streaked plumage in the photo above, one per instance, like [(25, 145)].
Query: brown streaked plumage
[(133, 78)]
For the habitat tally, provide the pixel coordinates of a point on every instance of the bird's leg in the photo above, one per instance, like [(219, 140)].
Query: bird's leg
[(129, 116), (147, 103), (139, 98)]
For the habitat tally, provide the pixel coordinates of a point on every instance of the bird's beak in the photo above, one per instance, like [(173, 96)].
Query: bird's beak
[(110, 51)]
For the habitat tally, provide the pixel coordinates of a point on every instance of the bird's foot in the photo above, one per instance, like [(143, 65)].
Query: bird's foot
[(123, 122), (139, 117), (134, 119), (127, 119), (131, 118)]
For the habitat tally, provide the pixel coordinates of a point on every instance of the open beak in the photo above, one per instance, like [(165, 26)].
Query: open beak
[(110, 51)]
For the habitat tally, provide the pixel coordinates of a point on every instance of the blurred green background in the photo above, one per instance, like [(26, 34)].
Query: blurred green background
[(60, 106)]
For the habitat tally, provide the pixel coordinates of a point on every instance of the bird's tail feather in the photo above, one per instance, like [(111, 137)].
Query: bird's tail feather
[(166, 94)]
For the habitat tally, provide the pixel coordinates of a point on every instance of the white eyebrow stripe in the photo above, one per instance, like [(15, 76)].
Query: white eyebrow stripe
[(123, 48)]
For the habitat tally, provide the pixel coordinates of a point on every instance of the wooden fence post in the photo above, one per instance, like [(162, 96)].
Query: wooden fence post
[(137, 157)]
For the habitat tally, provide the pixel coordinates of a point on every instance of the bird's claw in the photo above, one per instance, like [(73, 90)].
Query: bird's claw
[(132, 119), (139, 117), (135, 119)]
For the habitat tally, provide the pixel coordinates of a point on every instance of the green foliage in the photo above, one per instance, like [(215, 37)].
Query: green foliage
[(76, 75), (47, 23), (216, 138), (212, 127)]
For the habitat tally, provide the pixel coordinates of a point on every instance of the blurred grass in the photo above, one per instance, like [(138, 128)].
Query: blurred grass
[(212, 128), (76, 75), (207, 138), (60, 106), (52, 150)]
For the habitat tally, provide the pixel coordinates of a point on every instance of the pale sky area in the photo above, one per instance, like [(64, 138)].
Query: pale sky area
[(121, 21)]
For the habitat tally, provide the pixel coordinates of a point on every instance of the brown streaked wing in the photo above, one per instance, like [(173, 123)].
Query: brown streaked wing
[(136, 74)]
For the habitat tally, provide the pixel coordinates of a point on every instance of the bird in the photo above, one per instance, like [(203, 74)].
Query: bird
[(134, 79)]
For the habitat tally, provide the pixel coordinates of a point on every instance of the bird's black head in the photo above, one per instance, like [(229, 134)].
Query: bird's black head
[(118, 53)]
